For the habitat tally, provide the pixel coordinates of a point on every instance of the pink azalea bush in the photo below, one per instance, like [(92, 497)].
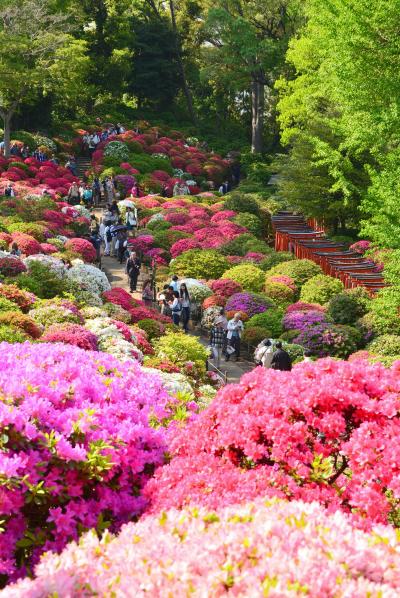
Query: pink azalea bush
[(326, 432), (360, 247), (264, 548), (71, 334), (225, 287), (83, 247), (183, 245), (76, 446)]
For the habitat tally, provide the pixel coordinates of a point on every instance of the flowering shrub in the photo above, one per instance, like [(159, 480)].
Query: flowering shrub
[(21, 321), (250, 277), (89, 278), (21, 298), (198, 291), (142, 313), (54, 264), (225, 287), (70, 334), (250, 303), (320, 288), (200, 264), (324, 432), (271, 320), (340, 559), (360, 247), (48, 313), (301, 306), (117, 150), (48, 248), (183, 245), (11, 266), (210, 314), (26, 243), (214, 300), (279, 292), (329, 339), (76, 446), (299, 270), (120, 297), (301, 320), (286, 280), (83, 247)]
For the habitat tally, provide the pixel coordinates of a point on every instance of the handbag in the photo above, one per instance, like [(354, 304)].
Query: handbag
[(230, 349)]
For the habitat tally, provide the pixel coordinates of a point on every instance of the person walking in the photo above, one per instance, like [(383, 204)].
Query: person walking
[(264, 353), (185, 304), (235, 329), (133, 266), (96, 191), (121, 245), (176, 309), (130, 219), (217, 339), (281, 359)]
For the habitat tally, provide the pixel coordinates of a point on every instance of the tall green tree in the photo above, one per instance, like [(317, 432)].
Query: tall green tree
[(37, 54), (247, 41), (155, 77), (343, 101)]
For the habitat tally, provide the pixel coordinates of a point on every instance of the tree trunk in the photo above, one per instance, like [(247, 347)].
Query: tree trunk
[(257, 114), (7, 116), (186, 89)]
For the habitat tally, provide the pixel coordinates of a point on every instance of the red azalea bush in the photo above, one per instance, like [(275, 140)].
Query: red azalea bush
[(11, 266), (301, 306), (71, 334), (142, 313), (83, 247), (214, 300), (225, 287), (120, 297), (327, 432), (26, 243)]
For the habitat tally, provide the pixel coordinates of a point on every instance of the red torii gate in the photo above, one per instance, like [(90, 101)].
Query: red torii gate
[(294, 234)]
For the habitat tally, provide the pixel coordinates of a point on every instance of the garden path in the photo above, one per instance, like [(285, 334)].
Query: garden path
[(117, 277)]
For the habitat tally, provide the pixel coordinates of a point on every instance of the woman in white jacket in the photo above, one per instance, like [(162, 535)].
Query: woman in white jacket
[(235, 329), (264, 353)]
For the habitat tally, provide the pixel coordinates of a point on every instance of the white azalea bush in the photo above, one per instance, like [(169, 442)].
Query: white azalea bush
[(89, 278), (54, 264)]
